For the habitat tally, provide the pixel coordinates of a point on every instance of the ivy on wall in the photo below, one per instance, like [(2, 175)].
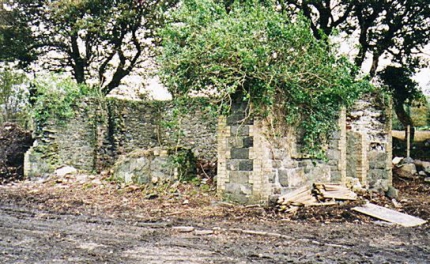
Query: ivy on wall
[(53, 98), (273, 63)]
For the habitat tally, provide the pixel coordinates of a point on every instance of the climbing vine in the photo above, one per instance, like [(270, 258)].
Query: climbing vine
[(253, 52), (54, 97)]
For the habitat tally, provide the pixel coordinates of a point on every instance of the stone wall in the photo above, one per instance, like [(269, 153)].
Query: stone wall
[(370, 143), (101, 131), (254, 167), (70, 142), (136, 124)]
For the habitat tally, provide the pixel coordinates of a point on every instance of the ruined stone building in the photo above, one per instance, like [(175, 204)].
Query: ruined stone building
[(251, 167)]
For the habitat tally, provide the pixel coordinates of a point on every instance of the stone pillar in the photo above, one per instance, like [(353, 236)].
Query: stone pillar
[(236, 180), (336, 152), (370, 119)]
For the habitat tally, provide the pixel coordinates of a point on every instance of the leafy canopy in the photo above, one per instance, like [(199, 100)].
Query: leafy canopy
[(275, 64), (397, 29), (101, 40)]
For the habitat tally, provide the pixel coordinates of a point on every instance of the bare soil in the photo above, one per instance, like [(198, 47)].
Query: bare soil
[(90, 219), (420, 136)]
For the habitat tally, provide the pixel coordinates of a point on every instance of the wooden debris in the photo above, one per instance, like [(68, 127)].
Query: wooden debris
[(321, 194), (389, 215), (326, 191), (297, 196), (183, 229)]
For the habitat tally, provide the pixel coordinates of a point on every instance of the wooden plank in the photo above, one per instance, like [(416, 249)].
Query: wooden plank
[(321, 203), (339, 195), (294, 194), (389, 215)]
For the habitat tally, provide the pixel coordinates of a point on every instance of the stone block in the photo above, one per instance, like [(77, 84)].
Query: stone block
[(333, 154), (283, 177), (426, 166), (246, 165), (240, 177), (286, 163), (233, 164), (239, 118), (236, 142), (392, 192), (333, 144), (296, 177), (306, 163), (248, 142), (276, 164), (406, 170), (239, 130), (239, 153), (239, 193), (278, 154), (319, 172), (240, 165), (335, 135), (376, 174), (272, 176), (379, 185), (336, 176), (377, 160)]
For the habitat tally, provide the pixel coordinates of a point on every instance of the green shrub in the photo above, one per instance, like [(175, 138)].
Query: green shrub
[(54, 98), (273, 63)]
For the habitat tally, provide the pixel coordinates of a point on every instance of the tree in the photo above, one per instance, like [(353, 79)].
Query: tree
[(274, 64), (405, 91), (394, 29), (14, 37), (398, 29), (93, 39)]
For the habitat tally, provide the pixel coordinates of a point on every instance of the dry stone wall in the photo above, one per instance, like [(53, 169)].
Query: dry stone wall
[(148, 124), (70, 142), (101, 131)]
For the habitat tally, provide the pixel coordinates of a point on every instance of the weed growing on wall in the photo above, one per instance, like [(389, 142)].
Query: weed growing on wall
[(53, 98), (274, 64)]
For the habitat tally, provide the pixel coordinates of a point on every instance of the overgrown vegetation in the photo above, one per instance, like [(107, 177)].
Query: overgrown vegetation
[(55, 97), (273, 63)]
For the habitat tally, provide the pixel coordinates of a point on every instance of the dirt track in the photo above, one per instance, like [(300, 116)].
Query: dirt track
[(36, 226), (35, 237)]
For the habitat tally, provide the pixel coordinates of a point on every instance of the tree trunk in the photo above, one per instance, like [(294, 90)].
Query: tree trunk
[(405, 119), (78, 62)]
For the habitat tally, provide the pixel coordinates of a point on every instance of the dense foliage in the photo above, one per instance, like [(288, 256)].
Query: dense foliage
[(253, 51), (405, 91), (53, 97), (390, 30), (93, 39)]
